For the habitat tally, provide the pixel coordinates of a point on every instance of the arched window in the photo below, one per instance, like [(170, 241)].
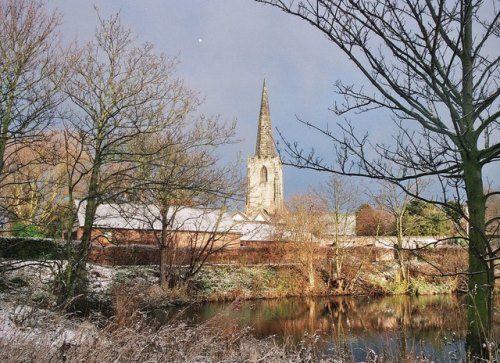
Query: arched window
[(263, 175)]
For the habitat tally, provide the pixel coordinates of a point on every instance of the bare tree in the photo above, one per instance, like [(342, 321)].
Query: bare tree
[(185, 173), (187, 237), (28, 86), (117, 92), (341, 200), (302, 224), (395, 201), (431, 65), (32, 195)]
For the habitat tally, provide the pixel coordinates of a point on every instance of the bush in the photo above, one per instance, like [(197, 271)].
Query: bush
[(20, 229), (23, 248)]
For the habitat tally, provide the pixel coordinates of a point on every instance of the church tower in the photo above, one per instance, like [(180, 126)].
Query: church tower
[(264, 173)]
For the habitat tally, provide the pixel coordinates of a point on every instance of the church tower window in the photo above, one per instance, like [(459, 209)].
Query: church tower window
[(263, 175)]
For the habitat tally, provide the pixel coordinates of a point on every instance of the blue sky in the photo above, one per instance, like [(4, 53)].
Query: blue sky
[(226, 48)]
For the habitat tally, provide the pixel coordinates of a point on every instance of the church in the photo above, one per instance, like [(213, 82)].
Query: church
[(264, 194), (128, 233), (122, 232)]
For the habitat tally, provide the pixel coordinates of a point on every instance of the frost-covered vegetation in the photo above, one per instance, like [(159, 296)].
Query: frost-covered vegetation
[(31, 330), (110, 322)]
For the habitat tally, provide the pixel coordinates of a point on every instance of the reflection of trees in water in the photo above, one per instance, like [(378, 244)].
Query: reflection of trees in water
[(344, 317), (395, 313), (397, 325), (286, 317)]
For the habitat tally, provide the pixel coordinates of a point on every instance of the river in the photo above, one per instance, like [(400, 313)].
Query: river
[(434, 326)]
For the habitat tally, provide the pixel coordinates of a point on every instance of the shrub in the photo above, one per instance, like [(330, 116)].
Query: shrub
[(23, 248), (21, 229)]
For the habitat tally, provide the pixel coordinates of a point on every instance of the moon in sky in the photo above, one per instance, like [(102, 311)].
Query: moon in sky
[(200, 40)]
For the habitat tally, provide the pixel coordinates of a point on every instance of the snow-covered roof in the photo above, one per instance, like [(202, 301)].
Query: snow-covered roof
[(255, 231), (240, 217), (148, 217), (261, 217)]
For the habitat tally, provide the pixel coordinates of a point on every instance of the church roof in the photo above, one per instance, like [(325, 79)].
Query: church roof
[(265, 144), (148, 217), (257, 232)]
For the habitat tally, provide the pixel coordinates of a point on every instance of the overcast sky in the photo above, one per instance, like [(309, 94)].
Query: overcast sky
[(226, 48)]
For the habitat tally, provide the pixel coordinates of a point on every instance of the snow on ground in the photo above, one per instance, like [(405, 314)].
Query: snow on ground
[(40, 274), (101, 278), (23, 324), (26, 299)]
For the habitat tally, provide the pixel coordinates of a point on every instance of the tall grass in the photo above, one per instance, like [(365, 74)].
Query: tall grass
[(134, 340)]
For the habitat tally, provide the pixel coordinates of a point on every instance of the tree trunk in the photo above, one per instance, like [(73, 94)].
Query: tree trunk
[(400, 253), (481, 282), (163, 267), (168, 275), (75, 274), (481, 279), (312, 280), (3, 144), (76, 270)]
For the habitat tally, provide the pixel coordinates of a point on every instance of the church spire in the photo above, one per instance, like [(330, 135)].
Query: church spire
[(265, 174), (265, 144)]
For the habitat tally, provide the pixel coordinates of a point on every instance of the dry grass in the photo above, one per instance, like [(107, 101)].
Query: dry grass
[(36, 335), (135, 341), (178, 342)]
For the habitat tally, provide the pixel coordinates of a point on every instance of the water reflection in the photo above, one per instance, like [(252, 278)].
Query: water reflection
[(391, 325)]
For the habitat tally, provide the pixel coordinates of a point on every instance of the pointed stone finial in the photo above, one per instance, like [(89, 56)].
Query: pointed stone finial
[(265, 144)]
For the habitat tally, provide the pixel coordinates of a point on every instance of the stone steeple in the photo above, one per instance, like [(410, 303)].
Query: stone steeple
[(265, 145), (264, 174)]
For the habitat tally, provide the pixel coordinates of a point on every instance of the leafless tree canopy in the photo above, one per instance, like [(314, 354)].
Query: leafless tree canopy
[(131, 134), (186, 171), (28, 87), (432, 66), (412, 53)]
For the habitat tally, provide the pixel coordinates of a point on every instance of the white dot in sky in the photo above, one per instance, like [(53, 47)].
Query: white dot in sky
[(200, 40)]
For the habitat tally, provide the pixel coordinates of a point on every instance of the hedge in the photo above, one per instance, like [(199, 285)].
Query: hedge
[(25, 248)]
